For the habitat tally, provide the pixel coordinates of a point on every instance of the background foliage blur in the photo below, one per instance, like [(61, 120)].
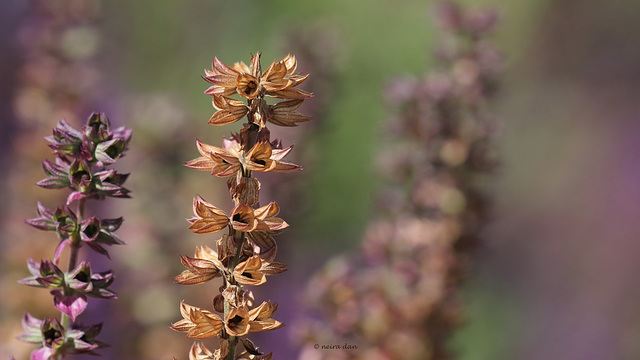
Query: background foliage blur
[(557, 277)]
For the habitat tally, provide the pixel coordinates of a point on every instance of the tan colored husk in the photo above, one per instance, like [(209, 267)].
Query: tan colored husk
[(245, 255)]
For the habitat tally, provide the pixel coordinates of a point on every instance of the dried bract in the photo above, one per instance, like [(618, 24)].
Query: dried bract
[(245, 255)]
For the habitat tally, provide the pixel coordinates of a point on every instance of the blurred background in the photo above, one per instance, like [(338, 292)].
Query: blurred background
[(557, 277)]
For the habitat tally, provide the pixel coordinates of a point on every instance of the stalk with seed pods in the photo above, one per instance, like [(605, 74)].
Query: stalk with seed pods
[(245, 254)]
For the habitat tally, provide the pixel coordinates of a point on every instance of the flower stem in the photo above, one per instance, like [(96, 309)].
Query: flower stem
[(238, 237), (75, 238), (74, 247), (232, 348)]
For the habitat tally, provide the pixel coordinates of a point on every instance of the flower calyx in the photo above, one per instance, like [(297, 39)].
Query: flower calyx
[(55, 339), (240, 321), (197, 323), (94, 232), (263, 156), (253, 271), (96, 143), (209, 219), (204, 266), (279, 80), (70, 289), (82, 157)]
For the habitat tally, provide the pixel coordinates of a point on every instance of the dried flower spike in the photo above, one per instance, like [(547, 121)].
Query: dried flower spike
[(245, 254), (81, 164)]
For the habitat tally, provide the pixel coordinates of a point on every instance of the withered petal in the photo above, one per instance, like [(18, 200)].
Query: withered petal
[(223, 102), (220, 68), (225, 169), (282, 118), (229, 110), (234, 295), (208, 218), (207, 150), (202, 163), (227, 116), (279, 154), (247, 272), (255, 64), (227, 157), (250, 278), (183, 325), (290, 62), (205, 209), (191, 277), (200, 352), (200, 226), (201, 265), (265, 311), (285, 112), (244, 190), (261, 165), (264, 325), (272, 224), (220, 90), (250, 346), (273, 268), (245, 227), (275, 77), (283, 166), (185, 309), (242, 67), (226, 247), (198, 323), (260, 151), (291, 93), (203, 331), (266, 243), (270, 210), (298, 79), (207, 253)]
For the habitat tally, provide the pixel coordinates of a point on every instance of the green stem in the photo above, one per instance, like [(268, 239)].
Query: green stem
[(74, 247), (75, 238), (232, 347)]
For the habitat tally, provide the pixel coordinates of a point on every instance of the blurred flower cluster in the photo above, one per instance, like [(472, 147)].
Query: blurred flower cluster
[(82, 164), (397, 297), (246, 254)]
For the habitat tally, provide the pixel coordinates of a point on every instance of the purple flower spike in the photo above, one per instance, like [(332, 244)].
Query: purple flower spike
[(82, 164)]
